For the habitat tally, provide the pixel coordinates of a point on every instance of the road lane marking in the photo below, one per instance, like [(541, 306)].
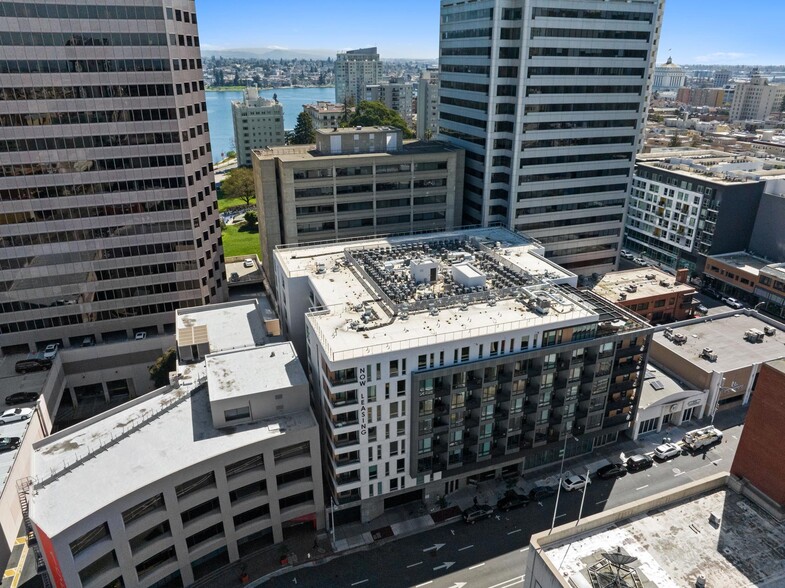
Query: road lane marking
[(424, 584), (513, 532), (561, 515), (477, 566), (522, 550), (360, 582), (465, 548), (601, 501), (679, 474), (414, 564), (642, 487), (506, 583)]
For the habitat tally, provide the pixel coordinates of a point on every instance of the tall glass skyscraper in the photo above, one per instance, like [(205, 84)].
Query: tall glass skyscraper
[(108, 213), (549, 97)]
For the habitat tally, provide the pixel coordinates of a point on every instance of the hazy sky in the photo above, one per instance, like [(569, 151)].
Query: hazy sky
[(695, 31)]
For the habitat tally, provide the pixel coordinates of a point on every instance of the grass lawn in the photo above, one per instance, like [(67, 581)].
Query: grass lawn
[(224, 203), (241, 242)]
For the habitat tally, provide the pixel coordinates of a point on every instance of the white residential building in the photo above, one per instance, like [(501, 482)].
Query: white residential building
[(756, 99), (396, 94), (438, 359), (258, 123), (549, 98), (176, 483), (428, 103), (354, 70)]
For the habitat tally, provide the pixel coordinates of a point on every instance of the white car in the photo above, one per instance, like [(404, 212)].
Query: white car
[(140, 335), (15, 414), (51, 350), (639, 261), (248, 263), (667, 451), (574, 483), (733, 303), (626, 254)]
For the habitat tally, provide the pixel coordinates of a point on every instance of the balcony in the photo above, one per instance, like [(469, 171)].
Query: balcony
[(344, 420), (474, 383), (345, 440), (348, 478), (441, 424), (342, 399), (347, 497)]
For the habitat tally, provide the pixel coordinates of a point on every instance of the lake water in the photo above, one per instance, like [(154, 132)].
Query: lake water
[(219, 111)]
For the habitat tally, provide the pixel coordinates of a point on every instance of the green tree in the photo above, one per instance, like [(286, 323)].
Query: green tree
[(304, 133), (370, 114), (159, 371), (675, 141), (239, 184), (251, 218)]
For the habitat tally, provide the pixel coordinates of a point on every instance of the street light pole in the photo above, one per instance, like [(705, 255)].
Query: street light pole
[(558, 489), (585, 488)]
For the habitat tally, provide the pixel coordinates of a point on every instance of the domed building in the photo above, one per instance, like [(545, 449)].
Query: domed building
[(668, 76)]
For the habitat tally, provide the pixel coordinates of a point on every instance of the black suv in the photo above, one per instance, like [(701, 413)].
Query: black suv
[(539, 492), (637, 463), (612, 470), (512, 500), (21, 398), (476, 513)]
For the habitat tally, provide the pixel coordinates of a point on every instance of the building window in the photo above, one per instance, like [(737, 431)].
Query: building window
[(301, 449), (154, 504), (191, 486), (296, 499), (143, 539), (251, 515), (236, 414), (199, 537), (90, 538), (244, 465), (160, 559)]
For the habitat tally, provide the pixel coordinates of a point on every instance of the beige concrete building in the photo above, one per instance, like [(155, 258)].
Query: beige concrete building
[(108, 211), (396, 94), (721, 354), (428, 103), (258, 123), (651, 293), (756, 99), (355, 183), (327, 115), (192, 476)]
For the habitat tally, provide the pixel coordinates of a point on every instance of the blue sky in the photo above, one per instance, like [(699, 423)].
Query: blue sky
[(694, 31)]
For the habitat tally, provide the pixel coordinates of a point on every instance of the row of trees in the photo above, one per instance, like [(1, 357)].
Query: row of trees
[(367, 114)]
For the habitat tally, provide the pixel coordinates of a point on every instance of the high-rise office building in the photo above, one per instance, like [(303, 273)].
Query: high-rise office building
[(258, 123), (109, 214), (354, 70), (428, 103), (548, 97)]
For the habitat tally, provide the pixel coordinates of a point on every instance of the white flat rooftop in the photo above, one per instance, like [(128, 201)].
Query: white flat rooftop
[(178, 433), (229, 376), (676, 544), (230, 325), (741, 260), (726, 337), (347, 299)]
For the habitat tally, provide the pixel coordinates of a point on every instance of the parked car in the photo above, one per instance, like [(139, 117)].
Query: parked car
[(539, 492), (636, 463), (51, 350), (32, 365), (21, 398), (733, 303), (476, 513), (15, 414), (248, 262), (512, 500), (140, 335), (612, 470), (667, 451), (574, 482), (712, 292), (8, 443), (626, 254), (702, 309)]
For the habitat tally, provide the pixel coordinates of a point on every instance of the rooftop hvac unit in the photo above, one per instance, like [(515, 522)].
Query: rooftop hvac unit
[(631, 288), (769, 330)]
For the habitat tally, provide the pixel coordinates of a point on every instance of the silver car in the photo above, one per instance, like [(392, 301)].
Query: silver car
[(15, 414)]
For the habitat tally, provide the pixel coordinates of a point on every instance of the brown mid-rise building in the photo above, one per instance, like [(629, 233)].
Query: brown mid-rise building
[(759, 455), (653, 294)]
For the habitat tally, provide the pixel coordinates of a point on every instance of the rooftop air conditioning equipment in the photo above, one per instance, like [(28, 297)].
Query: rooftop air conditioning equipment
[(668, 333), (320, 268), (769, 330), (622, 296), (651, 276)]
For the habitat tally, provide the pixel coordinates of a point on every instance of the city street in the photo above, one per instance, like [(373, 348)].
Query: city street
[(491, 553)]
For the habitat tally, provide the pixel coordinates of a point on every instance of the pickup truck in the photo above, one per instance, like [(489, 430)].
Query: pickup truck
[(702, 437)]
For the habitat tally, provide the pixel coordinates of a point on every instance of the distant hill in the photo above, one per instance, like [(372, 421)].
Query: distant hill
[(269, 53), (282, 53)]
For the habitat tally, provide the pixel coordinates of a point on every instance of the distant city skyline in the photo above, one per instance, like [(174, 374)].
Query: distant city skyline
[(693, 32)]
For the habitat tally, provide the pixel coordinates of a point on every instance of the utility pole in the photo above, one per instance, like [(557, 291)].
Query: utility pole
[(585, 489), (558, 489)]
